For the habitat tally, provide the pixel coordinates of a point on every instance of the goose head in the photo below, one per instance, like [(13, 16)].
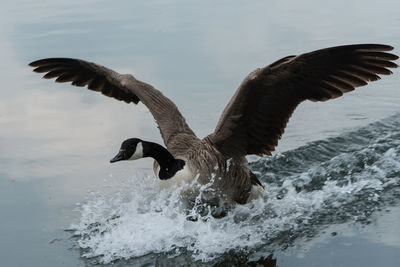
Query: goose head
[(131, 149)]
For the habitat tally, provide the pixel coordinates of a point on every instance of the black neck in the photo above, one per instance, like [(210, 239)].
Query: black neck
[(168, 164), (159, 153)]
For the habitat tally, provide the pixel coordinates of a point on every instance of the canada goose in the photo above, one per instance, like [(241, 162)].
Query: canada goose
[(252, 122)]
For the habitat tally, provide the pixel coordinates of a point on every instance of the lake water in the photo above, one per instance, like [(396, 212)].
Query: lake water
[(333, 184)]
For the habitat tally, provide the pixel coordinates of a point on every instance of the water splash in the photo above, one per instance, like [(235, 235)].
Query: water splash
[(336, 180)]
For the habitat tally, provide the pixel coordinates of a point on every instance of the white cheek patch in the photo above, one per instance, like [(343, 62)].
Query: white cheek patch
[(138, 152)]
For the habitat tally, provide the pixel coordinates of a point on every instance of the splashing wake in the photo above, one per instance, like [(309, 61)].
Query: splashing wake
[(336, 180)]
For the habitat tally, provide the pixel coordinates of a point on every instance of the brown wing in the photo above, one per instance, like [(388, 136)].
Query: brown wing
[(256, 116), (121, 87)]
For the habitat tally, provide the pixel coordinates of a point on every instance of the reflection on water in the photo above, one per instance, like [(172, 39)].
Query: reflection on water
[(56, 140)]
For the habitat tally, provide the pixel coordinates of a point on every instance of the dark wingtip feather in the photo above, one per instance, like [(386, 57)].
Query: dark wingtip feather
[(40, 62), (65, 78), (379, 55), (53, 74), (46, 68), (33, 64), (52, 60), (38, 70), (374, 47)]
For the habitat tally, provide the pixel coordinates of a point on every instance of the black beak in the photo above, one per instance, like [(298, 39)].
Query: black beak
[(118, 157)]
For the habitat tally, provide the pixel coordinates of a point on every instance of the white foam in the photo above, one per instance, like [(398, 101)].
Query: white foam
[(149, 220)]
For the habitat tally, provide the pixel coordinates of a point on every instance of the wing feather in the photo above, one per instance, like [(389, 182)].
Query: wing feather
[(256, 116), (119, 86)]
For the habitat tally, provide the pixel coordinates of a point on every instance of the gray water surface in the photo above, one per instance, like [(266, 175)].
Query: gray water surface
[(333, 182)]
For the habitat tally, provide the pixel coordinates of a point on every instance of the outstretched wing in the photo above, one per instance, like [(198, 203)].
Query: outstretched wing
[(119, 86), (256, 116)]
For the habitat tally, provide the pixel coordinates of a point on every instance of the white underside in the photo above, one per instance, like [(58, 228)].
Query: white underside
[(180, 177), (257, 191), (185, 176)]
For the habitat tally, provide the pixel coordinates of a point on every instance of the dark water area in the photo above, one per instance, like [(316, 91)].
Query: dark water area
[(333, 185)]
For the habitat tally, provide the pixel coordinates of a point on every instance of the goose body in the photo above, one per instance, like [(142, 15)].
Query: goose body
[(252, 122)]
